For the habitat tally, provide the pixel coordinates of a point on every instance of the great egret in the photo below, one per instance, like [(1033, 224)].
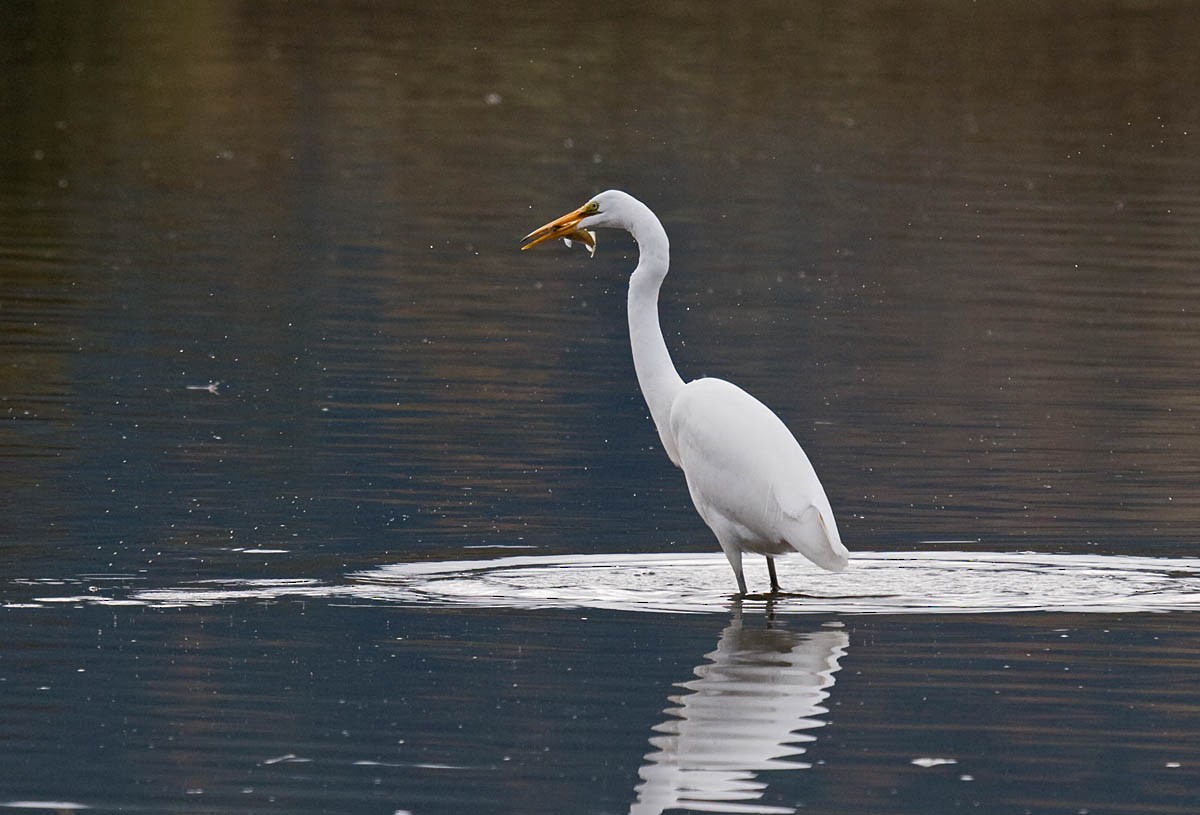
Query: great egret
[(747, 475)]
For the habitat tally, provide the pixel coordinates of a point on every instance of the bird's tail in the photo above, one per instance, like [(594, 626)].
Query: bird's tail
[(817, 539)]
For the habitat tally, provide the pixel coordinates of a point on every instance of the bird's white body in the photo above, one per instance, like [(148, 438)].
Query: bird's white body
[(747, 475)]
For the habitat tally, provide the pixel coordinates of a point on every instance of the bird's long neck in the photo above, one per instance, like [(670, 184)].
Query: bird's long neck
[(656, 374)]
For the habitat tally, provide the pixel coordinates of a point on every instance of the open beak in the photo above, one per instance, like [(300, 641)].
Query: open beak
[(567, 228)]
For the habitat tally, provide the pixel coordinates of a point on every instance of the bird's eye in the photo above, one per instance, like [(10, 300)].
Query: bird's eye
[(591, 207)]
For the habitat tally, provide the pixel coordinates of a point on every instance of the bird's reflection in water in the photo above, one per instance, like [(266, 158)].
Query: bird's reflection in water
[(748, 710)]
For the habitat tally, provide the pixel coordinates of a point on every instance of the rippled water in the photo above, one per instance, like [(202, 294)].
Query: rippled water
[(316, 495), (878, 583)]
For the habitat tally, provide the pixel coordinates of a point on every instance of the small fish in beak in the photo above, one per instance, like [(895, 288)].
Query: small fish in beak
[(584, 236)]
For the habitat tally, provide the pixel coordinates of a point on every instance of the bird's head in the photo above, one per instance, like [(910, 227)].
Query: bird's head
[(603, 210)]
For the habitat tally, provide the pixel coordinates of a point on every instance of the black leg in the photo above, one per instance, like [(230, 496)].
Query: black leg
[(774, 577)]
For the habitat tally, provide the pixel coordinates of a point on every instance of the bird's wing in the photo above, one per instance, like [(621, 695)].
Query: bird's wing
[(729, 446), (743, 463)]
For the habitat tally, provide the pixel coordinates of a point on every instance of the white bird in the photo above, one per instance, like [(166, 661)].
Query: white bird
[(747, 475)]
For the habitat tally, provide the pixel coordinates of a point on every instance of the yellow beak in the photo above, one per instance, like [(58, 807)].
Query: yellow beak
[(566, 227)]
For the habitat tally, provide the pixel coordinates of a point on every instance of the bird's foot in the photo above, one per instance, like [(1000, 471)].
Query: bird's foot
[(769, 596)]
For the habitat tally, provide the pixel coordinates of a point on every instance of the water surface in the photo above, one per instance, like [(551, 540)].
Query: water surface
[(265, 332)]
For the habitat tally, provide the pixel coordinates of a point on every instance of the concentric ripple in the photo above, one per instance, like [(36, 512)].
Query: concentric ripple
[(875, 583)]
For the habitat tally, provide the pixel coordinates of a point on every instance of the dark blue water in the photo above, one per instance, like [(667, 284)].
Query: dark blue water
[(322, 707), (265, 332)]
